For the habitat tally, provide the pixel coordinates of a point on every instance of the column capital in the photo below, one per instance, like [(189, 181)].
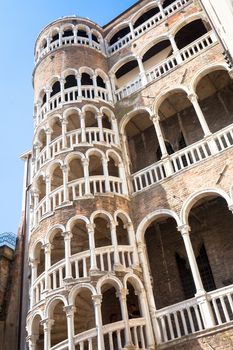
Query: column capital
[(192, 97), (47, 247), (33, 262), (64, 121), (122, 294), (141, 247), (184, 229), (48, 130), (64, 168), (155, 118), (67, 234), (90, 228), (97, 299), (85, 161), (69, 310), (47, 323)]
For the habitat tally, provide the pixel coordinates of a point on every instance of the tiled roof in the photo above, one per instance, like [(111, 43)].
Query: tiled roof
[(8, 239)]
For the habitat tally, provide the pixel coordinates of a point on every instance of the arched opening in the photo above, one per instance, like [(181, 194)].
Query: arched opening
[(95, 165), (42, 139), (71, 81), (120, 34), (106, 122), (211, 225), (67, 33), (141, 140), (102, 232), (113, 169), (96, 37), (57, 246), (84, 317), (133, 304), (38, 332), (55, 37), (100, 82), (43, 98), (41, 187), (111, 313), (166, 3), (75, 173), (179, 121), (145, 16), (90, 119), (215, 93), (156, 54), (59, 328), (56, 88), (44, 44), (86, 79), (190, 32), (122, 232), (82, 33), (126, 73), (40, 258), (56, 128), (73, 121), (56, 177), (164, 243)]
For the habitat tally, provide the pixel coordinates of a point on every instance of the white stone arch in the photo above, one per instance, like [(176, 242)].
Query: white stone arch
[(108, 112), (50, 304), (36, 178), (123, 216), (52, 229), (144, 224), (128, 116), (67, 112), (101, 213), (77, 289), (196, 196), (73, 155), (95, 152), (53, 165), (143, 10), (69, 71), (102, 74), (137, 283), (40, 128), (112, 280), (90, 108), (53, 30), (114, 155), (41, 94), (118, 27), (32, 247), (76, 218), (67, 26), (52, 80), (121, 62), (84, 27), (87, 70), (204, 71), (53, 117), (165, 93), (153, 42), (31, 318), (97, 34), (184, 21)]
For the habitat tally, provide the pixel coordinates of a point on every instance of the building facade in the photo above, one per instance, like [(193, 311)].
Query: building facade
[(131, 197)]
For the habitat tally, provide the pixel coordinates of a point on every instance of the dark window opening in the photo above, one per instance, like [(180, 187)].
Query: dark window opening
[(182, 143), (185, 277), (70, 81), (45, 44), (154, 50), (44, 99), (55, 88), (147, 15), (126, 68), (167, 3), (106, 123), (55, 37), (94, 38), (67, 33), (190, 33), (169, 149), (123, 32), (100, 82), (82, 33), (205, 270), (86, 79)]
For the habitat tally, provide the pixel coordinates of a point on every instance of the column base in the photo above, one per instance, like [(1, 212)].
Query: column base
[(95, 272), (68, 279), (118, 267)]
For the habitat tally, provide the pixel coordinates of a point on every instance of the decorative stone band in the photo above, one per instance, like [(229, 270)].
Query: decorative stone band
[(8, 239)]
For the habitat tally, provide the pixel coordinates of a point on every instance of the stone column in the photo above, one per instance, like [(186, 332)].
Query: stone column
[(36, 202), (62, 83), (64, 131), (85, 163), (175, 49), (67, 241), (117, 263), (90, 38), (97, 300), (48, 132), (160, 6), (106, 175), (91, 235), (201, 296), (131, 30), (113, 85), (100, 126), (48, 92), (65, 182), (123, 178), (115, 130), (78, 77), (162, 145), (47, 252), (60, 37), (109, 89), (132, 242), (142, 71), (95, 86), (75, 31), (69, 310), (48, 323), (83, 128), (32, 339), (48, 43), (124, 310), (48, 191)]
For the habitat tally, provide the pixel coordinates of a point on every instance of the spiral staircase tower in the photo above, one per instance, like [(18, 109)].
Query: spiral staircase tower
[(85, 268)]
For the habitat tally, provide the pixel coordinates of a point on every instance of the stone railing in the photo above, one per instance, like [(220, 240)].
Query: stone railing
[(70, 40), (183, 159), (187, 317), (72, 95), (86, 340), (168, 65), (147, 25)]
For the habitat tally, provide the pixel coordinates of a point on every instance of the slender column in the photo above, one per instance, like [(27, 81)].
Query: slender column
[(106, 175), (146, 314), (60, 37), (175, 49), (65, 182), (115, 130), (90, 38), (113, 85), (62, 83), (47, 91), (69, 310), (123, 178), (48, 191), (97, 300), (100, 126), (48, 323), (95, 86), (64, 131), (36, 202), (32, 341), (117, 263), (132, 30), (85, 163), (109, 89), (91, 235), (142, 71), (122, 296), (165, 156), (132, 242), (38, 110), (83, 128), (160, 6), (33, 263), (47, 251), (67, 240), (48, 43), (75, 31), (78, 77), (48, 132)]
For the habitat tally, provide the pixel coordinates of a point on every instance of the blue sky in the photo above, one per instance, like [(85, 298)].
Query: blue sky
[(20, 23)]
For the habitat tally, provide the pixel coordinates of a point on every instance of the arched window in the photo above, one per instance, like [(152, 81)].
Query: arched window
[(56, 88), (120, 34), (86, 79), (84, 317), (59, 329), (189, 33), (145, 16), (71, 81), (100, 82)]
